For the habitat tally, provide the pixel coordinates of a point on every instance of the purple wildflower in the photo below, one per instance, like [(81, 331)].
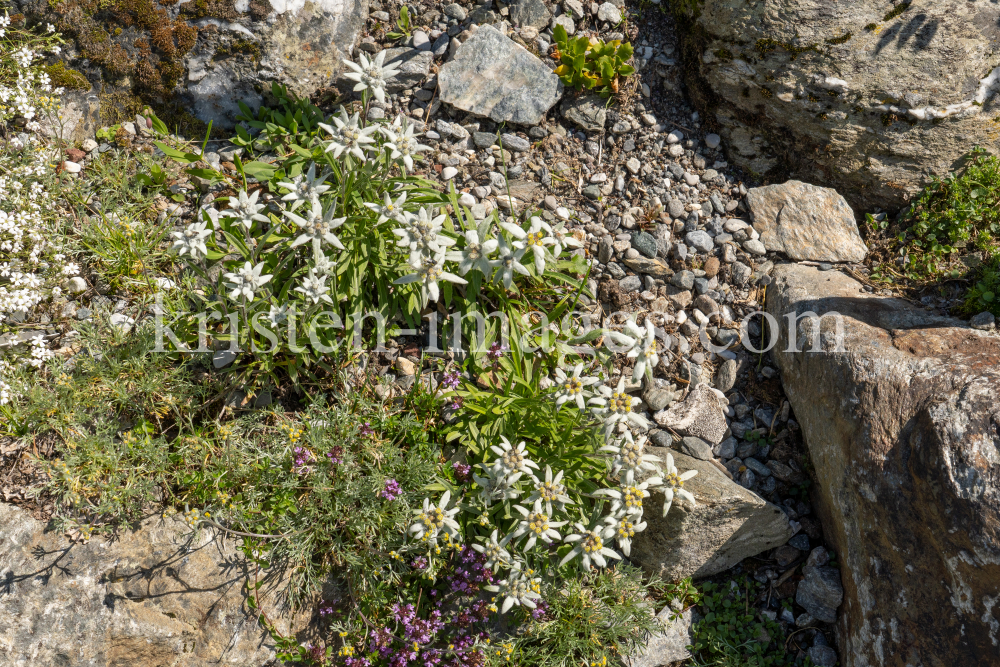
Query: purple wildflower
[(335, 455), (462, 471), (451, 380), (392, 490), (366, 429), (496, 351), (419, 563), (302, 457)]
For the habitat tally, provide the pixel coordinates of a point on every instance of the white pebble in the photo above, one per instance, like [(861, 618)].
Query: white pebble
[(712, 140), (465, 199), (599, 178), (562, 212), (449, 173), (681, 317), (72, 167), (675, 137)]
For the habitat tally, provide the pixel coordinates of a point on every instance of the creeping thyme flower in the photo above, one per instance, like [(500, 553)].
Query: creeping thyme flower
[(496, 351), (304, 188), (476, 251), (348, 135), (517, 589), (246, 209), (629, 454), (429, 272), (371, 74), (246, 281), (673, 483), (551, 491), (507, 262), (433, 520), (451, 380), (402, 143), (590, 546), (192, 240), (616, 407), (496, 554), (389, 209), (317, 227), (537, 525), (563, 238), (392, 490), (625, 527), (462, 471), (314, 288), (573, 387), (534, 240), (512, 459)]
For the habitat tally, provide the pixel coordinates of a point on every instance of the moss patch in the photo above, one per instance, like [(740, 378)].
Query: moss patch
[(896, 11), (766, 45), (65, 77), (840, 40), (239, 46)]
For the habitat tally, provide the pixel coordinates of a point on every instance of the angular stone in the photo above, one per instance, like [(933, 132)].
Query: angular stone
[(493, 76), (644, 243), (820, 592), (728, 523), (413, 65), (874, 83), (670, 646), (608, 12), (806, 222), (655, 267), (532, 13), (699, 415), (586, 111), (697, 448), (630, 284), (154, 596), (907, 467)]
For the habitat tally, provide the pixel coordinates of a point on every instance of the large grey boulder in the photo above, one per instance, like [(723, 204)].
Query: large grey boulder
[(868, 96), (727, 524), (903, 430), (806, 222), (199, 58), (493, 76), (156, 596)]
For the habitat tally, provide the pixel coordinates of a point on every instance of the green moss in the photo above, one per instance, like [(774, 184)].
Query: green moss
[(119, 107), (840, 40), (766, 92), (896, 11), (220, 9), (871, 27), (67, 78), (724, 55), (239, 46)]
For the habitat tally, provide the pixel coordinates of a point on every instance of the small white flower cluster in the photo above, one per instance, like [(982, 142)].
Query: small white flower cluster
[(5, 388), (28, 92)]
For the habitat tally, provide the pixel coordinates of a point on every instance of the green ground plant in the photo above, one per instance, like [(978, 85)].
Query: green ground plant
[(591, 63)]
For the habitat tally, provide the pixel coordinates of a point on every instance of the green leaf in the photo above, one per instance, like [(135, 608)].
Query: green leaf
[(262, 171), (559, 34), (180, 156)]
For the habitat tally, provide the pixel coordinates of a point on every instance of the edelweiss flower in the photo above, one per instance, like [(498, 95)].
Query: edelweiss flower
[(390, 210), (247, 281), (246, 209), (512, 459), (475, 254), (314, 287), (421, 234), (534, 240), (192, 240), (371, 74), (517, 589), (429, 272), (573, 387), (672, 483), (496, 486), (304, 187), (433, 520), (590, 546), (616, 407), (536, 525), (403, 143), (496, 555), (508, 261), (631, 495), (629, 454), (551, 491), (644, 349), (348, 135), (563, 239), (317, 227), (277, 314), (625, 527)]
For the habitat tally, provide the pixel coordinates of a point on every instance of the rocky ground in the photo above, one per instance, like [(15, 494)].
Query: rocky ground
[(673, 234)]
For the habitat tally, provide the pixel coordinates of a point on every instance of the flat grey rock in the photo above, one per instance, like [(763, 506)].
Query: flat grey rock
[(670, 646), (492, 76), (414, 66), (586, 111), (532, 13)]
